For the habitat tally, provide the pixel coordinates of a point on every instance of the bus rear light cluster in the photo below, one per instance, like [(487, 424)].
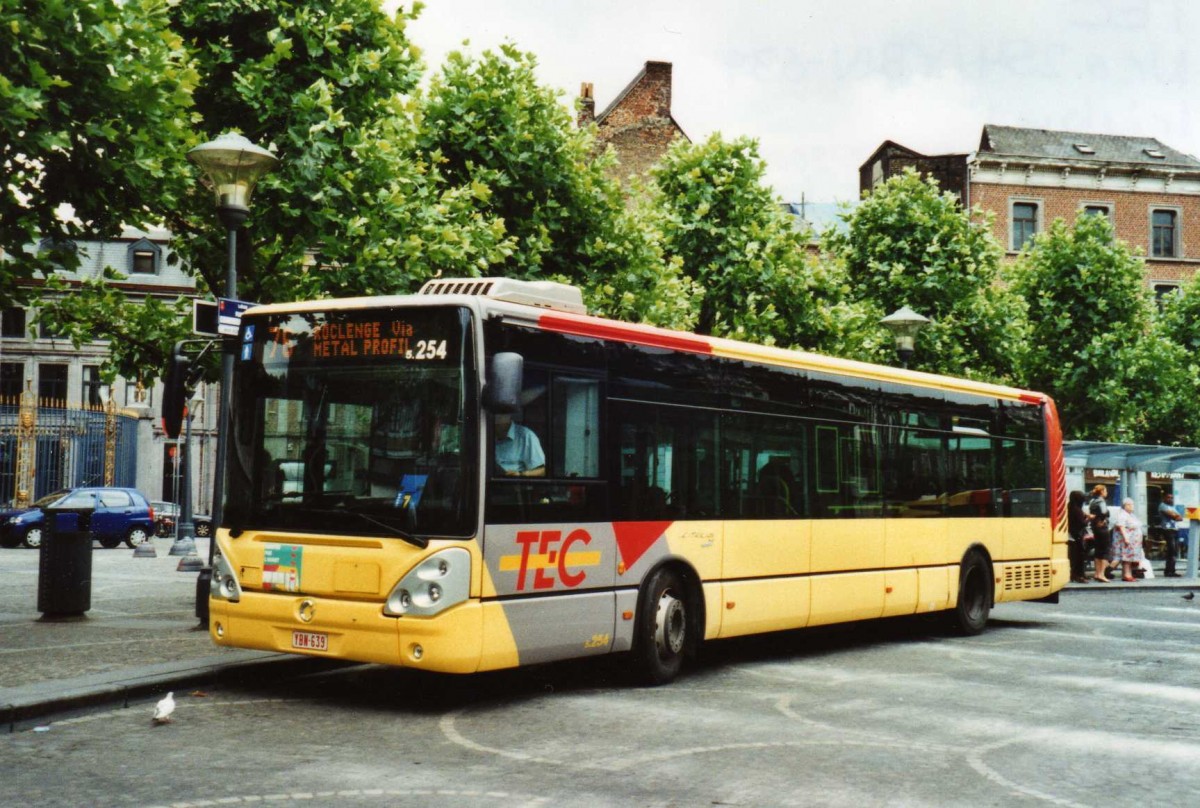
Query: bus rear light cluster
[(440, 581)]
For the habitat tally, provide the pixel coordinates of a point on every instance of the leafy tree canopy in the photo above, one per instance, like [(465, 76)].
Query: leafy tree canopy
[(94, 100), (909, 244), (499, 132), (1089, 345), (352, 207), (749, 265)]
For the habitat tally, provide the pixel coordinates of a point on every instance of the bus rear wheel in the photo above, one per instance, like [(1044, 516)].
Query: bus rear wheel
[(970, 614), (663, 630)]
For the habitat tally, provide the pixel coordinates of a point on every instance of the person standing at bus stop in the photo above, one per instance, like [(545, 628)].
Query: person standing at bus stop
[(1127, 547), (1168, 516), (1077, 521), (1101, 531)]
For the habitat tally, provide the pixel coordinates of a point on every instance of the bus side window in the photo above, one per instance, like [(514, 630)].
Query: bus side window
[(576, 425)]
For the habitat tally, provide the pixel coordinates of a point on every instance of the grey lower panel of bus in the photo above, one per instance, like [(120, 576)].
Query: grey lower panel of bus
[(568, 626)]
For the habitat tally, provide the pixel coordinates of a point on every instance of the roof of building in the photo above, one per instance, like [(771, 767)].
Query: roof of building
[(893, 146), (628, 87), (1050, 145)]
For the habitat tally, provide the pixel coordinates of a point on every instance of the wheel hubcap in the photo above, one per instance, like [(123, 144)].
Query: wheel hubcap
[(34, 538), (669, 625)]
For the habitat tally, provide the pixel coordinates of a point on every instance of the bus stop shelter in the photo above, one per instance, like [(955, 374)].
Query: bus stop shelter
[(1131, 469)]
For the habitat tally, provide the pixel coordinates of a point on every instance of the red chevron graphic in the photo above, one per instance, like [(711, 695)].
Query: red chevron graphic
[(635, 538)]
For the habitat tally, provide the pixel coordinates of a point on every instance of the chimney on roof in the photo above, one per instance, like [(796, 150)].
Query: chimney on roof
[(658, 75), (587, 105)]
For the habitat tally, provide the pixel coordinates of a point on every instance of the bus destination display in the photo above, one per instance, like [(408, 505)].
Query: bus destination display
[(416, 338)]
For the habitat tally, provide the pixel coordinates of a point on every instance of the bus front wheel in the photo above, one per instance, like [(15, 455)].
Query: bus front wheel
[(970, 615), (663, 628)]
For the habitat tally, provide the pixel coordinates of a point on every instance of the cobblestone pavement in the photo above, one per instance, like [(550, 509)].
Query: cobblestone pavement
[(141, 634), (142, 613)]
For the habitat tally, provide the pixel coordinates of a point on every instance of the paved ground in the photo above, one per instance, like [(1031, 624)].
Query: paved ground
[(1089, 703), (141, 635)]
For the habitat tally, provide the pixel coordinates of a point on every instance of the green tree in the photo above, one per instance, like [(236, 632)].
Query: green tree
[(909, 244), (748, 264), (1090, 345), (93, 105), (353, 207), (497, 130), (1168, 411)]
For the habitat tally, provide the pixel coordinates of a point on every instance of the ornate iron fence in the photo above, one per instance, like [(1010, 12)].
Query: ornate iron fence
[(46, 445)]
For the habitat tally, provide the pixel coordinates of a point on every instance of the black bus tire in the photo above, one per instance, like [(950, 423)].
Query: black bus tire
[(663, 629), (970, 613)]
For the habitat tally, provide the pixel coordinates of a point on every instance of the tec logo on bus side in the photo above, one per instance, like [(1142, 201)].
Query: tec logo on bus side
[(552, 559)]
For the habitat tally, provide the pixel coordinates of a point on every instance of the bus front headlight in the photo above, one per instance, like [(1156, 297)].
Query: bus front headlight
[(224, 584), (440, 581)]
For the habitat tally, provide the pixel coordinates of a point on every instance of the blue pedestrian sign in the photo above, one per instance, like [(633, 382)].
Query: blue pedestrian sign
[(229, 315)]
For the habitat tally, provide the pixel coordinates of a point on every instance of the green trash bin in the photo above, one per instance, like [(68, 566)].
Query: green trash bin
[(65, 562)]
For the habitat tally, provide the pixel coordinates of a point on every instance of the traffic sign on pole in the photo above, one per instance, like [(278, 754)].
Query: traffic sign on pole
[(229, 315)]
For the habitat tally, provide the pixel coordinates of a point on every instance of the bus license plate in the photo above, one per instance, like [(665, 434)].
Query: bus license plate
[(310, 641)]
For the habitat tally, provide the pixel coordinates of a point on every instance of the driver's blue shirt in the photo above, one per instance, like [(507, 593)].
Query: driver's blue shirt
[(520, 450)]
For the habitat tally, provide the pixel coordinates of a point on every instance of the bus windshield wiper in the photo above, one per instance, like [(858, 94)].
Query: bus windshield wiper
[(416, 541)]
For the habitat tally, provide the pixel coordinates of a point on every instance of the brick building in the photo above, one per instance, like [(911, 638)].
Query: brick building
[(1029, 177), (638, 124)]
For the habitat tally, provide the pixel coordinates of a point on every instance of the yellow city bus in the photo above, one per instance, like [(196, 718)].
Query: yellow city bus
[(670, 488)]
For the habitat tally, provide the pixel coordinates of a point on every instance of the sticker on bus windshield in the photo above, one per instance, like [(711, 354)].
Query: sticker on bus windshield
[(281, 567)]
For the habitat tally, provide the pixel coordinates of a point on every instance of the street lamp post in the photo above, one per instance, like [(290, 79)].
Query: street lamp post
[(233, 166), (904, 323)]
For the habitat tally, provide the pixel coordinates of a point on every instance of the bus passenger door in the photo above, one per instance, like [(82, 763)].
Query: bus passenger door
[(550, 559)]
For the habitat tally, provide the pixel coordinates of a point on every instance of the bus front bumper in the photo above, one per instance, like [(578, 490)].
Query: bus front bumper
[(450, 642)]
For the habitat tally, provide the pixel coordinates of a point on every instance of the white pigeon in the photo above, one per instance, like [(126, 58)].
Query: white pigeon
[(163, 710)]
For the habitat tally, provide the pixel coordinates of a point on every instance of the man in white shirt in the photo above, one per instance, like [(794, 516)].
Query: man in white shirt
[(518, 450)]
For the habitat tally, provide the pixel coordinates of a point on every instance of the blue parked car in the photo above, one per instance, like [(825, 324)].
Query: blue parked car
[(120, 514)]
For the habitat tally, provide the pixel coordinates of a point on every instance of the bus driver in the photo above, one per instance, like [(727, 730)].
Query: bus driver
[(518, 450)]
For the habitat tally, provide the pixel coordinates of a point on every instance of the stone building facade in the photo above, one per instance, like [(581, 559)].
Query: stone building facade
[(1027, 178), (65, 378), (638, 124)]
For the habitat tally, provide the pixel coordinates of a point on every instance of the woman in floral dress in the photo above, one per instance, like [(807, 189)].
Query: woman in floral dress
[(1127, 548)]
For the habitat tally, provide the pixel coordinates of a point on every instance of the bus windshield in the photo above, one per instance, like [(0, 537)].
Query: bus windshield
[(355, 422)]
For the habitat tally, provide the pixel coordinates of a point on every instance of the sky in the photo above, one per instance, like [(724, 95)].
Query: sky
[(821, 84)]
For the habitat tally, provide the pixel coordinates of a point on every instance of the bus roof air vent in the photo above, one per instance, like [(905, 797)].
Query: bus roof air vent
[(543, 294)]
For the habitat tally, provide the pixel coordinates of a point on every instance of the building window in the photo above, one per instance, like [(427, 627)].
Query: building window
[(1024, 223), (144, 256), (94, 390), (131, 395), (1163, 233), (52, 383), (1097, 210), (12, 381), (1163, 291), (12, 323)]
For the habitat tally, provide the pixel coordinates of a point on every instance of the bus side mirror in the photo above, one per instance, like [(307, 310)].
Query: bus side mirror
[(504, 381), (175, 391)]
